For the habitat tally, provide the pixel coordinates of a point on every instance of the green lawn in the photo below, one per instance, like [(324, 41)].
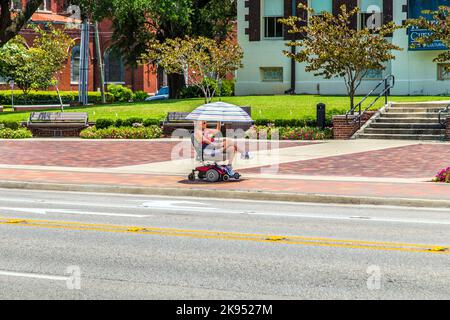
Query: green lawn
[(263, 107)]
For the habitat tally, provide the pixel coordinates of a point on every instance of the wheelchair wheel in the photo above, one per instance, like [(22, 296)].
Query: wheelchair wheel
[(191, 177), (212, 175), (226, 178), (237, 176)]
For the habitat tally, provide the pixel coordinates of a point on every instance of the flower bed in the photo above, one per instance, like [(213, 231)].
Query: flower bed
[(290, 133), (152, 132), (443, 176), (7, 133)]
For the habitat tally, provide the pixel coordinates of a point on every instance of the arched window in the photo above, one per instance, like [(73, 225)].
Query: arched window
[(75, 65), (114, 67)]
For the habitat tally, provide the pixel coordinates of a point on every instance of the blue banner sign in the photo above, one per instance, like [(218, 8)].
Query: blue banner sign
[(416, 9)]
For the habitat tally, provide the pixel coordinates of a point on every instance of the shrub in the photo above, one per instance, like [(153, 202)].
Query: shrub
[(227, 89), (131, 121), (443, 176), (118, 123), (104, 123), (140, 96), (151, 122), (9, 125), (7, 133), (120, 93), (190, 92), (153, 132), (306, 122), (50, 97)]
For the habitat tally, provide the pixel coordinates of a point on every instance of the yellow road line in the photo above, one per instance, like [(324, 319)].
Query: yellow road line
[(203, 234)]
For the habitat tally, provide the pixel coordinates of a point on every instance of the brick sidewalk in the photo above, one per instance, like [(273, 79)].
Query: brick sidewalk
[(429, 191), (93, 154), (415, 161)]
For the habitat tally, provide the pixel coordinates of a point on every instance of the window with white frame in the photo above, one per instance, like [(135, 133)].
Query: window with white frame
[(374, 74), (443, 71), (371, 15), (272, 74), (46, 5), (75, 65), (273, 12), (16, 5)]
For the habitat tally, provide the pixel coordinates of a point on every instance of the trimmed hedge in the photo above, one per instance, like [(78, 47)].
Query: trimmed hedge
[(7, 133), (290, 133), (153, 132), (9, 125), (50, 97), (130, 122), (286, 122)]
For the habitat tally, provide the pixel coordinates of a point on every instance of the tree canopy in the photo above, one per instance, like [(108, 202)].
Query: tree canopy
[(331, 47), (136, 22), (203, 61), (35, 67), (11, 21)]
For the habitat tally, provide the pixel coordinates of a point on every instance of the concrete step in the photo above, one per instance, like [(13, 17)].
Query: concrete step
[(402, 137), (421, 115), (396, 131), (439, 105), (413, 110), (401, 125), (408, 120)]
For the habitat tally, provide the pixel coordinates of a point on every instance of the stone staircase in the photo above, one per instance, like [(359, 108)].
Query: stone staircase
[(406, 121)]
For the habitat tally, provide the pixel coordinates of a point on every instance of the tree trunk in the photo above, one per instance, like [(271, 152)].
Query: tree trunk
[(352, 100), (176, 83)]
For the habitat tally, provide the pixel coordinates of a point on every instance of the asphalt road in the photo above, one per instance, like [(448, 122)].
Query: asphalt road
[(96, 246)]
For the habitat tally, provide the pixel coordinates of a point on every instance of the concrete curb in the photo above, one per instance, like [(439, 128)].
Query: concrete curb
[(226, 194)]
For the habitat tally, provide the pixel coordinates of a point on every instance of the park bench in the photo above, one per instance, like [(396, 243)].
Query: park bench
[(23, 108), (57, 124), (177, 120)]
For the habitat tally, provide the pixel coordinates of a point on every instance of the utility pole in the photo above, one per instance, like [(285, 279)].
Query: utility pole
[(100, 62), (84, 64)]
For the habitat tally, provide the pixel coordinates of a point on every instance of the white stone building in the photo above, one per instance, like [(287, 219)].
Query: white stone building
[(267, 71)]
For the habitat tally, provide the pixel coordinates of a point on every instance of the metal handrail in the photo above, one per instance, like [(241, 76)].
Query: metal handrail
[(445, 110), (389, 83)]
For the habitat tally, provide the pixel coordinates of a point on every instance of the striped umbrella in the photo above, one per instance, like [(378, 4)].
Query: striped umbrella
[(219, 112)]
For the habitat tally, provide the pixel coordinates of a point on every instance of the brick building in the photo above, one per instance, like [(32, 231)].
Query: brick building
[(116, 72)]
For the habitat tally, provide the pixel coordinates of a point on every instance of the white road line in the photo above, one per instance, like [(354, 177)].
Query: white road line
[(69, 211), (33, 275), (352, 218)]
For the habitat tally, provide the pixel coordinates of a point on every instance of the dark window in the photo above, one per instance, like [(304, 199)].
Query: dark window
[(273, 27), (114, 67)]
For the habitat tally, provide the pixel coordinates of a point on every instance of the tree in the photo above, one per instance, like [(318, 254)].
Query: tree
[(137, 22), (11, 22), (439, 30), (204, 62), (36, 67), (331, 47)]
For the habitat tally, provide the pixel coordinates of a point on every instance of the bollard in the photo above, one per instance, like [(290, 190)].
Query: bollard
[(321, 115)]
